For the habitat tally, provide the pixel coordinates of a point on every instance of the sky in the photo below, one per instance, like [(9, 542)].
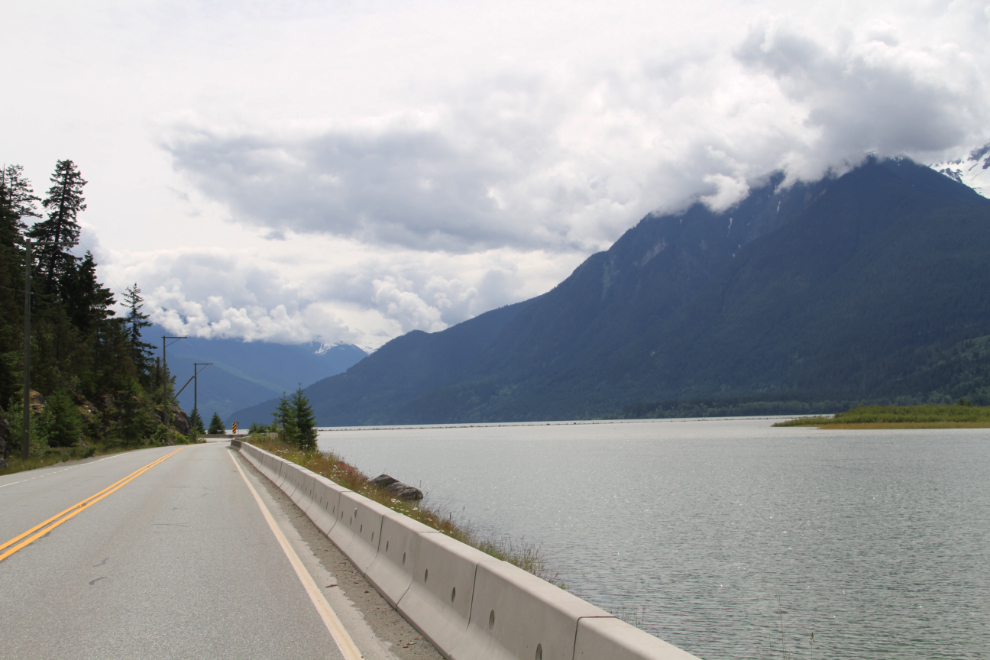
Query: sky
[(295, 171)]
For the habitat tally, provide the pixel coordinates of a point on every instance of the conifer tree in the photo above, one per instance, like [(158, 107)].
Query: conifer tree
[(135, 321), (285, 419), (17, 200), (305, 420), (216, 425), (196, 427), (59, 233), (87, 302)]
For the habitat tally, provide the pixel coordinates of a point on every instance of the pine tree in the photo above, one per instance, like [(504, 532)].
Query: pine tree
[(284, 418), (17, 200), (216, 425), (135, 321), (86, 301), (60, 232), (196, 422), (135, 422), (305, 420), (196, 427)]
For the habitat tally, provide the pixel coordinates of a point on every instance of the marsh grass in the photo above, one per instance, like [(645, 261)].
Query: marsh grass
[(928, 416), (519, 552)]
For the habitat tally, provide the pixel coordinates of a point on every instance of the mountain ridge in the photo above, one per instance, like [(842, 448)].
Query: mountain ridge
[(800, 289)]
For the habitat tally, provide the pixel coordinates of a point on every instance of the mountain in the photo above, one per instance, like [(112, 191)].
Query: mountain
[(872, 285), (400, 370), (974, 170), (245, 373)]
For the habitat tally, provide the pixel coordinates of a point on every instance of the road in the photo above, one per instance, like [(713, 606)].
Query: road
[(175, 560)]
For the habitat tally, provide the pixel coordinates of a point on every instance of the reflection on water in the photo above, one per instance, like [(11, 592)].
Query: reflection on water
[(878, 542)]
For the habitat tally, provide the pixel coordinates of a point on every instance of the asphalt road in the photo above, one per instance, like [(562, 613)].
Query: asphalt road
[(178, 562)]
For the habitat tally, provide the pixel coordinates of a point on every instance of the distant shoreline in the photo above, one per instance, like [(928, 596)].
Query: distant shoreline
[(962, 415)]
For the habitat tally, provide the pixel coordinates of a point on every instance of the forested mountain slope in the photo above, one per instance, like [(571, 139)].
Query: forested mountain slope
[(862, 286), (400, 370)]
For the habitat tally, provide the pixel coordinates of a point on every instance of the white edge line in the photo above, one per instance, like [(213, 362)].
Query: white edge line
[(340, 636)]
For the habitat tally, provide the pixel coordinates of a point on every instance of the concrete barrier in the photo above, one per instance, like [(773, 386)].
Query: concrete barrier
[(392, 570), (617, 640), (469, 605), (363, 519), (517, 615), (326, 498), (438, 600)]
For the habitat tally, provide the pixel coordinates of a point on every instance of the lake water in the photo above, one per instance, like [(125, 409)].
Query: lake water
[(878, 542)]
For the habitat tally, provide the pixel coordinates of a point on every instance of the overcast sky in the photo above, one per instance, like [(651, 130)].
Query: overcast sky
[(350, 171)]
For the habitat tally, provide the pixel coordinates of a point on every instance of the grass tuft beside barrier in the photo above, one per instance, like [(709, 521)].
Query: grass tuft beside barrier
[(526, 556)]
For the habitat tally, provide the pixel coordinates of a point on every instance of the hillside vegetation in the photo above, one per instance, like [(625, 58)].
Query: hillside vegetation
[(95, 386)]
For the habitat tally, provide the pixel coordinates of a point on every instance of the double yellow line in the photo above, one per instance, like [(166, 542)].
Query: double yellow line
[(36, 532)]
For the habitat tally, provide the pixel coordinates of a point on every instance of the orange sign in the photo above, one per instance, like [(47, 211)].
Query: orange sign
[(235, 428)]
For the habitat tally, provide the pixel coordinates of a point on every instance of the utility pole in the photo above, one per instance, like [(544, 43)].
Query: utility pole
[(168, 415), (26, 444)]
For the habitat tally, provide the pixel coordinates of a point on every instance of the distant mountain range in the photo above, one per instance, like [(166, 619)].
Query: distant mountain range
[(246, 373), (870, 286)]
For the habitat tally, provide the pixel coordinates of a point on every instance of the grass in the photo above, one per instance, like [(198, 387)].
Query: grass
[(526, 556), (927, 416), (57, 455)]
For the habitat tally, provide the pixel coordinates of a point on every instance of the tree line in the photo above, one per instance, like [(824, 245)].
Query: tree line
[(97, 382)]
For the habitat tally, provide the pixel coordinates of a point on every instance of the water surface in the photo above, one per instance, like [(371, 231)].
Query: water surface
[(878, 542)]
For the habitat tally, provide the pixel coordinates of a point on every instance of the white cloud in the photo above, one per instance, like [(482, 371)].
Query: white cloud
[(351, 171)]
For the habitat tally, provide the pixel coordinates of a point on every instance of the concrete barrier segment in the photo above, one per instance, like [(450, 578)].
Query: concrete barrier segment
[(325, 499), (304, 488), (438, 600), (517, 615), (392, 570), (290, 480), (617, 640), (279, 469), (364, 518)]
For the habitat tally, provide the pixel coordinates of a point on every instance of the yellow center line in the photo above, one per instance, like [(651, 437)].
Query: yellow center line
[(34, 534)]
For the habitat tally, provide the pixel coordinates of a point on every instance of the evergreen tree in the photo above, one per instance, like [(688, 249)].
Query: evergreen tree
[(17, 200), (284, 418), (85, 300), (67, 422), (135, 422), (135, 321), (304, 419), (216, 425), (196, 427), (59, 233)]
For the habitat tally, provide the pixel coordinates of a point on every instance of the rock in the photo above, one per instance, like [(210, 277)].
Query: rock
[(397, 488), (180, 421), (37, 403), (384, 481), (404, 492)]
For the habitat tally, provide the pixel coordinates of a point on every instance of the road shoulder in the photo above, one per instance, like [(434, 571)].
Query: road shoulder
[(376, 628)]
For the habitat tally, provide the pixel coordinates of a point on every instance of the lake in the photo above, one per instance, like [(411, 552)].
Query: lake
[(717, 534)]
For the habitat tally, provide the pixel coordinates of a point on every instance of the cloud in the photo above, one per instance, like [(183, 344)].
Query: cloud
[(370, 168), (867, 91), (564, 159), (361, 297)]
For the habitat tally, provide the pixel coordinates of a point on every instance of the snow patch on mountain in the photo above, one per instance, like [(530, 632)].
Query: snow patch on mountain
[(973, 171)]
